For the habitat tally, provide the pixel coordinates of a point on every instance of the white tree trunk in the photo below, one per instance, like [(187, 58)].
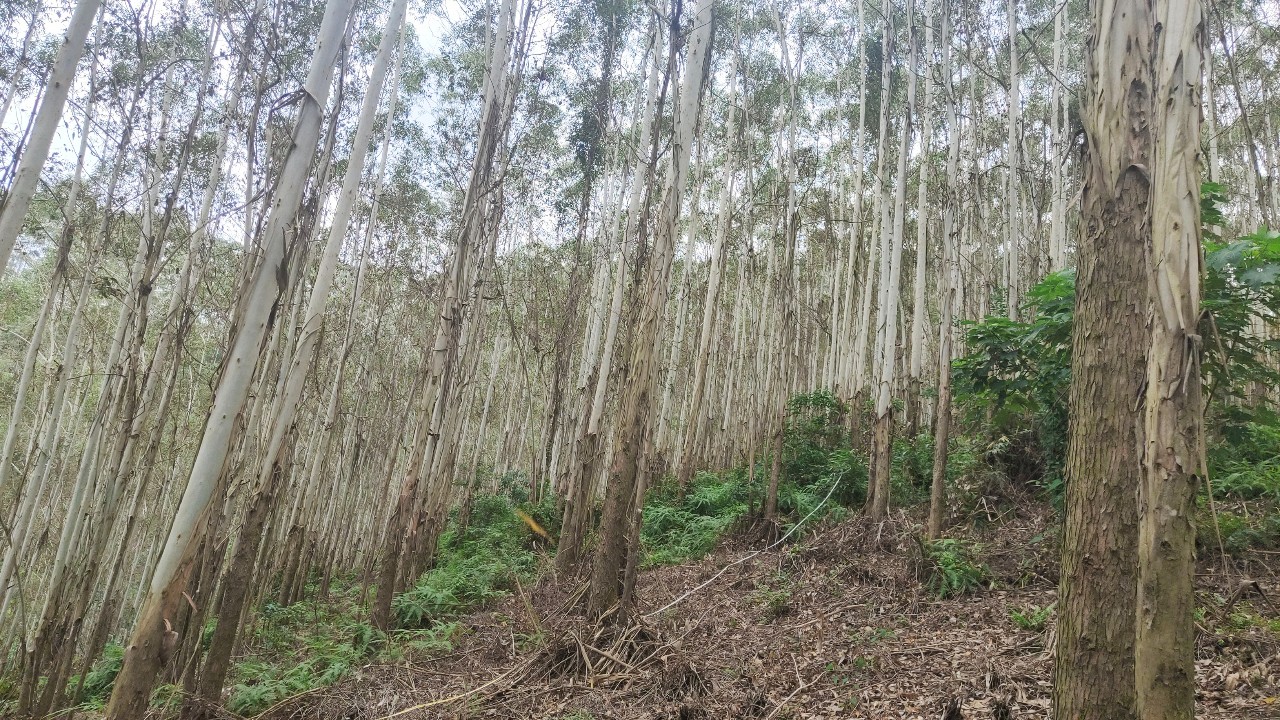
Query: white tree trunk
[(58, 85)]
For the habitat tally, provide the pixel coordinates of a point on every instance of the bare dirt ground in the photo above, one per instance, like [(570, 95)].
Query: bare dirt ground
[(835, 625)]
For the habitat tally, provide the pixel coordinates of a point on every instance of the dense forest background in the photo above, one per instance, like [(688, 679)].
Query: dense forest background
[(387, 308)]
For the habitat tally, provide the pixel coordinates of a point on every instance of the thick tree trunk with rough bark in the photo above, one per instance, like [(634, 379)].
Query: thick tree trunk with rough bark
[(1094, 676)]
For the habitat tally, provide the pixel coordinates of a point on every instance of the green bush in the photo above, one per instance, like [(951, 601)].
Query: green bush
[(817, 459), (674, 532), (1017, 373), (318, 661), (1240, 534), (101, 677), (167, 697), (952, 567), (475, 568), (1033, 619)]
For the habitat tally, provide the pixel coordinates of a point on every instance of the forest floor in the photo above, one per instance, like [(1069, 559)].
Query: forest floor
[(839, 624)]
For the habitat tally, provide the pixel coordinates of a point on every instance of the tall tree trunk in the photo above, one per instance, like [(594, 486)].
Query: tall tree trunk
[(891, 278), (914, 403), (651, 293), (13, 211), (1013, 188), (482, 206), (1094, 674), (587, 452), (1172, 420), (710, 304), (947, 290), (1058, 149), (240, 571), (153, 638)]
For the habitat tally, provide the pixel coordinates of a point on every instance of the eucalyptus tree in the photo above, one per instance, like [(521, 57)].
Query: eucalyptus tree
[(625, 489), (913, 401), (153, 638), (17, 198), (1173, 409), (690, 449), (480, 211), (890, 281), (1013, 180), (1097, 612), (240, 570), (948, 279), (588, 456)]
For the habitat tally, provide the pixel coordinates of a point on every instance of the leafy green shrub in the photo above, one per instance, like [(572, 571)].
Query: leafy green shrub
[(167, 697), (814, 428), (1239, 533), (438, 640), (952, 567), (1250, 482), (1018, 374), (774, 603), (260, 684), (101, 677), (816, 465), (1033, 619), (514, 485), (474, 569), (816, 455), (674, 532)]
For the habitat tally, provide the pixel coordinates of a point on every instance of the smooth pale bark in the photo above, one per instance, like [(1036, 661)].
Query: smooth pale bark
[(710, 303), (119, 422), (77, 514), (948, 276), (1094, 673), (856, 334), (1173, 453), (783, 357), (1058, 149), (34, 342), (480, 209), (240, 570), (914, 403), (638, 394), (152, 640), (891, 278), (13, 212), (1013, 153), (588, 455), (865, 370)]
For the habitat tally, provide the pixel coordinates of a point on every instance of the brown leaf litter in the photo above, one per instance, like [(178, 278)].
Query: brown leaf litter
[(834, 625)]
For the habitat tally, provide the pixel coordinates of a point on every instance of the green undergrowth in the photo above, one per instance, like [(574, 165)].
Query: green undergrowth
[(99, 680), (1245, 480), (318, 641), (478, 565), (819, 476), (953, 567), (299, 647)]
